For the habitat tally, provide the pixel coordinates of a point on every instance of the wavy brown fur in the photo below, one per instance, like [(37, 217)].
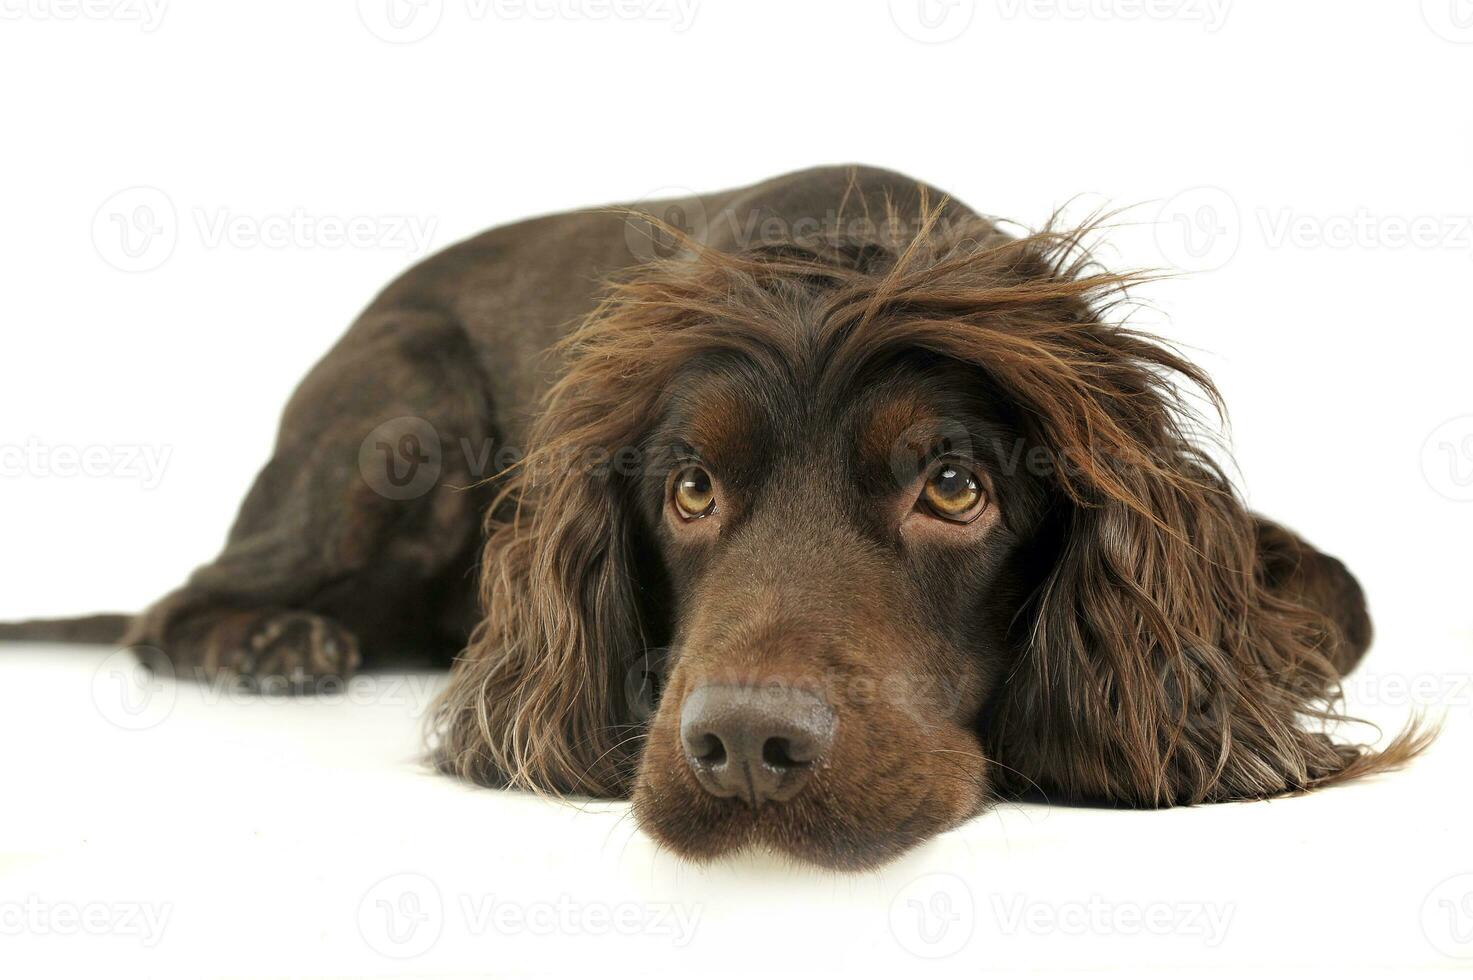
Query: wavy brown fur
[(1163, 659)]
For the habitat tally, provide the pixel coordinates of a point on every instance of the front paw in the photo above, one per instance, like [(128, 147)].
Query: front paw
[(281, 651)]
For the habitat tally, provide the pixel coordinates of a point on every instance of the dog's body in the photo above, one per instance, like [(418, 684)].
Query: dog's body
[(462, 342), (1119, 630)]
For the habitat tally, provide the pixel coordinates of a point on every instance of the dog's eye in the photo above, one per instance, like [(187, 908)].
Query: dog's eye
[(953, 493), (694, 495)]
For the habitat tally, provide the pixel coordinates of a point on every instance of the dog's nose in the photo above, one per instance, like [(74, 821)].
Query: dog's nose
[(757, 743)]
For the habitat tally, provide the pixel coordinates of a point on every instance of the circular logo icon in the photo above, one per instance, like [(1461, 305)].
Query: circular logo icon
[(136, 229), (401, 21), (1451, 20), (934, 916), (400, 459), (402, 916), (933, 21), (643, 683), (1447, 459), (1199, 229), (922, 443), (1447, 917), (665, 217), (130, 695)]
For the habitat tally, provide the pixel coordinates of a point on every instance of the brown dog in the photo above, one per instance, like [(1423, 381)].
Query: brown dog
[(896, 518)]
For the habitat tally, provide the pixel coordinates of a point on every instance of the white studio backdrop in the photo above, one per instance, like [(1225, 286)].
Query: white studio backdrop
[(197, 205), (197, 198)]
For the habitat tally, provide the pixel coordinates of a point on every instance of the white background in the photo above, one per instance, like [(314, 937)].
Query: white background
[(1307, 165)]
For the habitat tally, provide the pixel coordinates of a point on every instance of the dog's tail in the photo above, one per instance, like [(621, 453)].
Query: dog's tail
[(102, 628)]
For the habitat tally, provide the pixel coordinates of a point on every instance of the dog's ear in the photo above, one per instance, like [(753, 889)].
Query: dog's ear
[(1161, 661), (537, 700), (1159, 668)]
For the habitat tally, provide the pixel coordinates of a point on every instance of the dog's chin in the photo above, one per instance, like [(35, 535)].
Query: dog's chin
[(819, 827)]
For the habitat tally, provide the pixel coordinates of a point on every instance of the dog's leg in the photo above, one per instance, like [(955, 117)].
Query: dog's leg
[(358, 537)]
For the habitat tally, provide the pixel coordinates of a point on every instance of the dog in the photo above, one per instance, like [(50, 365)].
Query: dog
[(813, 516)]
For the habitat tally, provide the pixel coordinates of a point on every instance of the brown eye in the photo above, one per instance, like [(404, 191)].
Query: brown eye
[(694, 495), (953, 493)]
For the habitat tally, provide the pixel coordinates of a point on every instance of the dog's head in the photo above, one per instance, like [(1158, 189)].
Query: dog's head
[(898, 527), (839, 559)]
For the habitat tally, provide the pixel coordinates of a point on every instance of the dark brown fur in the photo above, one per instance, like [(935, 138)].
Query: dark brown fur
[(1122, 630)]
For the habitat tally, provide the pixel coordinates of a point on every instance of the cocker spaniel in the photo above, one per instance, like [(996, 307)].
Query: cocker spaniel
[(813, 515)]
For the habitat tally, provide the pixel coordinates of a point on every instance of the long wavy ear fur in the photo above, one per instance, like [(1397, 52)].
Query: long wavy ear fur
[(1161, 669), (1165, 659), (537, 701)]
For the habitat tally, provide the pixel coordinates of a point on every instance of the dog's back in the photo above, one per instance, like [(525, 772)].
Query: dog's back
[(517, 289)]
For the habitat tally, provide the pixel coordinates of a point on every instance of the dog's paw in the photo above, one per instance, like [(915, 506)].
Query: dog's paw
[(287, 651)]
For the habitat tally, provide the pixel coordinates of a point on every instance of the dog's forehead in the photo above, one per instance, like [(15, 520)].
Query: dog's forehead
[(716, 413), (892, 419), (746, 419)]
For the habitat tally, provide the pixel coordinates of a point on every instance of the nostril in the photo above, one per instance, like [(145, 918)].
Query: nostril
[(708, 749), (778, 753)]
